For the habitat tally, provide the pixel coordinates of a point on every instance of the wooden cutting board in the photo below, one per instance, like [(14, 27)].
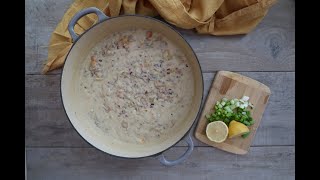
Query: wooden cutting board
[(232, 85)]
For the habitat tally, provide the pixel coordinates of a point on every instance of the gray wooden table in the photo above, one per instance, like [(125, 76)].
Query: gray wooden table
[(54, 150)]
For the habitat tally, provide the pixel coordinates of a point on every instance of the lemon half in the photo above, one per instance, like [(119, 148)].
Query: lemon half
[(217, 131), (237, 129)]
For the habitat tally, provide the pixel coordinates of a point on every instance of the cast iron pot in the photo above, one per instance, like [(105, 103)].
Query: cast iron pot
[(70, 76)]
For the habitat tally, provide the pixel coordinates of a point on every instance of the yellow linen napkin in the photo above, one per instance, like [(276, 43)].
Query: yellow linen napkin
[(216, 17)]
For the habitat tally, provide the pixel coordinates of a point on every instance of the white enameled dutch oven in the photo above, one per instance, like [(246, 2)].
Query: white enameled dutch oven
[(70, 76)]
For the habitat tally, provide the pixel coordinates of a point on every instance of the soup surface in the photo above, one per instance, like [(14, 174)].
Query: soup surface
[(137, 86)]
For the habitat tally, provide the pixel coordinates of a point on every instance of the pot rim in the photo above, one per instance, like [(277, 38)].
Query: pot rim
[(167, 25)]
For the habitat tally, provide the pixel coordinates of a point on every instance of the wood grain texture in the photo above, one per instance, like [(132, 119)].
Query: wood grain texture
[(269, 47), (41, 18), (47, 125), (204, 163), (230, 85)]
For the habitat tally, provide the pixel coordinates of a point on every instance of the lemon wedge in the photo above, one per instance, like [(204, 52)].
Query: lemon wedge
[(237, 129)]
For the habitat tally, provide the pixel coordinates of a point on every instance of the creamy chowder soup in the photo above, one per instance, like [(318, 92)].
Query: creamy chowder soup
[(137, 85)]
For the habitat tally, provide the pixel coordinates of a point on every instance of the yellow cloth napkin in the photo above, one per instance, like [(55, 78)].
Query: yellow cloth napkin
[(216, 17)]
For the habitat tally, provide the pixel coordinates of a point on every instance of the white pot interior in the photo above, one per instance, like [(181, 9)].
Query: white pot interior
[(74, 105)]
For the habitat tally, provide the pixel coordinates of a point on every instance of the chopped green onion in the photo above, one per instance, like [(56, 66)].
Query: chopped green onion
[(246, 123), (233, 109), (237, 104), (245, 98), (251, 105), (245, 134)]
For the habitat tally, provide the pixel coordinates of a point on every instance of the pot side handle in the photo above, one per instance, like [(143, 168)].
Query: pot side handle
[(185, 155), (80, 14)]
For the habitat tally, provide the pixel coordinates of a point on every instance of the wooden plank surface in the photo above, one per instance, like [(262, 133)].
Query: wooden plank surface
[(47, 125), (55, 151), (41, 18), (269, 47), (274, 163)]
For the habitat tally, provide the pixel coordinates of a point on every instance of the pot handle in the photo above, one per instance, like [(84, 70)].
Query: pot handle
[(185, 155), (80, 14)]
